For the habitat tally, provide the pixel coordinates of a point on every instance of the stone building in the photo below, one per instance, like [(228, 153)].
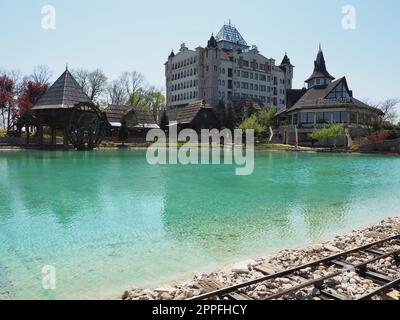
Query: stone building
[(227, 69)]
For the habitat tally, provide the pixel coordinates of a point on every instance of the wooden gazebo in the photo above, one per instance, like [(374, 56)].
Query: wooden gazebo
[(66, 107)]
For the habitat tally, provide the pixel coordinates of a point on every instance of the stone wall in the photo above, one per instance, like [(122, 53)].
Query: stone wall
[(384, 146)]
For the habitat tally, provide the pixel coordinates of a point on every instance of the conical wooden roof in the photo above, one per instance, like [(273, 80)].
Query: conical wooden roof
[(63, 94)]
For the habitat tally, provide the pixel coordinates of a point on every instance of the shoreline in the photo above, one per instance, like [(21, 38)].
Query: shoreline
[(245, 270), (257, 149)]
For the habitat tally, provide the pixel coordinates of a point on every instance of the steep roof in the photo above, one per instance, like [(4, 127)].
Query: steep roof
[(229, 33), (63, 94), (286, 60), (212, 43), (316, 97), (320, 70), (294, 95), (115, 114), (189, 113)]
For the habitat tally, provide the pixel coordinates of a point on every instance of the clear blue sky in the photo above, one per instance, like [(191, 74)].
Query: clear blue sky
[(125, 35)]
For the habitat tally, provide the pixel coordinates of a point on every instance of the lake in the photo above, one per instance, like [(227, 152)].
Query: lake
[(107, 220)]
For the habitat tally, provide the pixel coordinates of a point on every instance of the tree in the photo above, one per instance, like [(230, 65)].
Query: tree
[(6, 98), (389, 108), (41, 74), (266, 117), (249, 109), (117, 93), (30, 95), (252, 123), (150, 99), (123, 133), (132, 81), (94, 83), (230, 119), (164, 122), (220, 112), (333, 132)]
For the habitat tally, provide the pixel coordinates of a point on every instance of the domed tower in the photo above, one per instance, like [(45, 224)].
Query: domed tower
[(287, 67), (320, 75)]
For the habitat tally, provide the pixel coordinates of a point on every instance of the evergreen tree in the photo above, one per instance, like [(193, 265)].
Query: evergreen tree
[(164, 121), (221, 112), (230, 119), (123, 134)]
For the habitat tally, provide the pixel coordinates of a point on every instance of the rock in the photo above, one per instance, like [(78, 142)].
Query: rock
[(125, 295), (242, 267), (165, 290), (393, 295), (332, 248)]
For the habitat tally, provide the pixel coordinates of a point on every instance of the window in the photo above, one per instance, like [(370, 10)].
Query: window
[(353, 117), (307, 117), (344, 117), (339, 92), (245, 74), (323, 117), (263, 77)]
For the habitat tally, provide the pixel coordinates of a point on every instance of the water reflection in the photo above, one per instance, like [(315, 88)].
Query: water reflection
[(107, 218)]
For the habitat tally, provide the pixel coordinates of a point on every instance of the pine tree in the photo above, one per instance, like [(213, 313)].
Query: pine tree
[(221, 112), (230, 119), (164, 121), (123, 134)]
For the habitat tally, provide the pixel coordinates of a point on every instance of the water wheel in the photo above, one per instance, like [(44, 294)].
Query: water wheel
[(86, 126)]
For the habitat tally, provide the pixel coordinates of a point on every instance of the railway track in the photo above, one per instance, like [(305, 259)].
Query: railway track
[(364, 263)]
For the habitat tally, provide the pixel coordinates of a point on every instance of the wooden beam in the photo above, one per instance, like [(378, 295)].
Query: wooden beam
[(53, 136), (65, 140)]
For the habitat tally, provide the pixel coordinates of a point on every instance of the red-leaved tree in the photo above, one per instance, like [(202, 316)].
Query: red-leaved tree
[(6, 98), (30, 95)]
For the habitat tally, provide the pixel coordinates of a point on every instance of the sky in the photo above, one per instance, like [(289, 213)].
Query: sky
[(127, 35)]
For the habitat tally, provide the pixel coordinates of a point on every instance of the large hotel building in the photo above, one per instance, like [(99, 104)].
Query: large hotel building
[(227, 69)]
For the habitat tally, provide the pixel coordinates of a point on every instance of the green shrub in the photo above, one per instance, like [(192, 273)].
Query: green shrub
[(252, 123), (332, 132), (3, 133)]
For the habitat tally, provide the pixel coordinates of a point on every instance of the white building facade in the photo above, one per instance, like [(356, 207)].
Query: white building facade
[(226, 70)]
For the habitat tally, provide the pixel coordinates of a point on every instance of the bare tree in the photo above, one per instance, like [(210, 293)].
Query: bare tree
[(133, 81), (41, 74), (82, 77), (94, 83), (97, 84), (117, 93), (389, 107)]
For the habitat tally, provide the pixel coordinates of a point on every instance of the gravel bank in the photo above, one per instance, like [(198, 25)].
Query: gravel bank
[(348, 284)]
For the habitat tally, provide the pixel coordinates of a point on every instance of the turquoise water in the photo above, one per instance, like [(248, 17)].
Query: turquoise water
[(108, 221)]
